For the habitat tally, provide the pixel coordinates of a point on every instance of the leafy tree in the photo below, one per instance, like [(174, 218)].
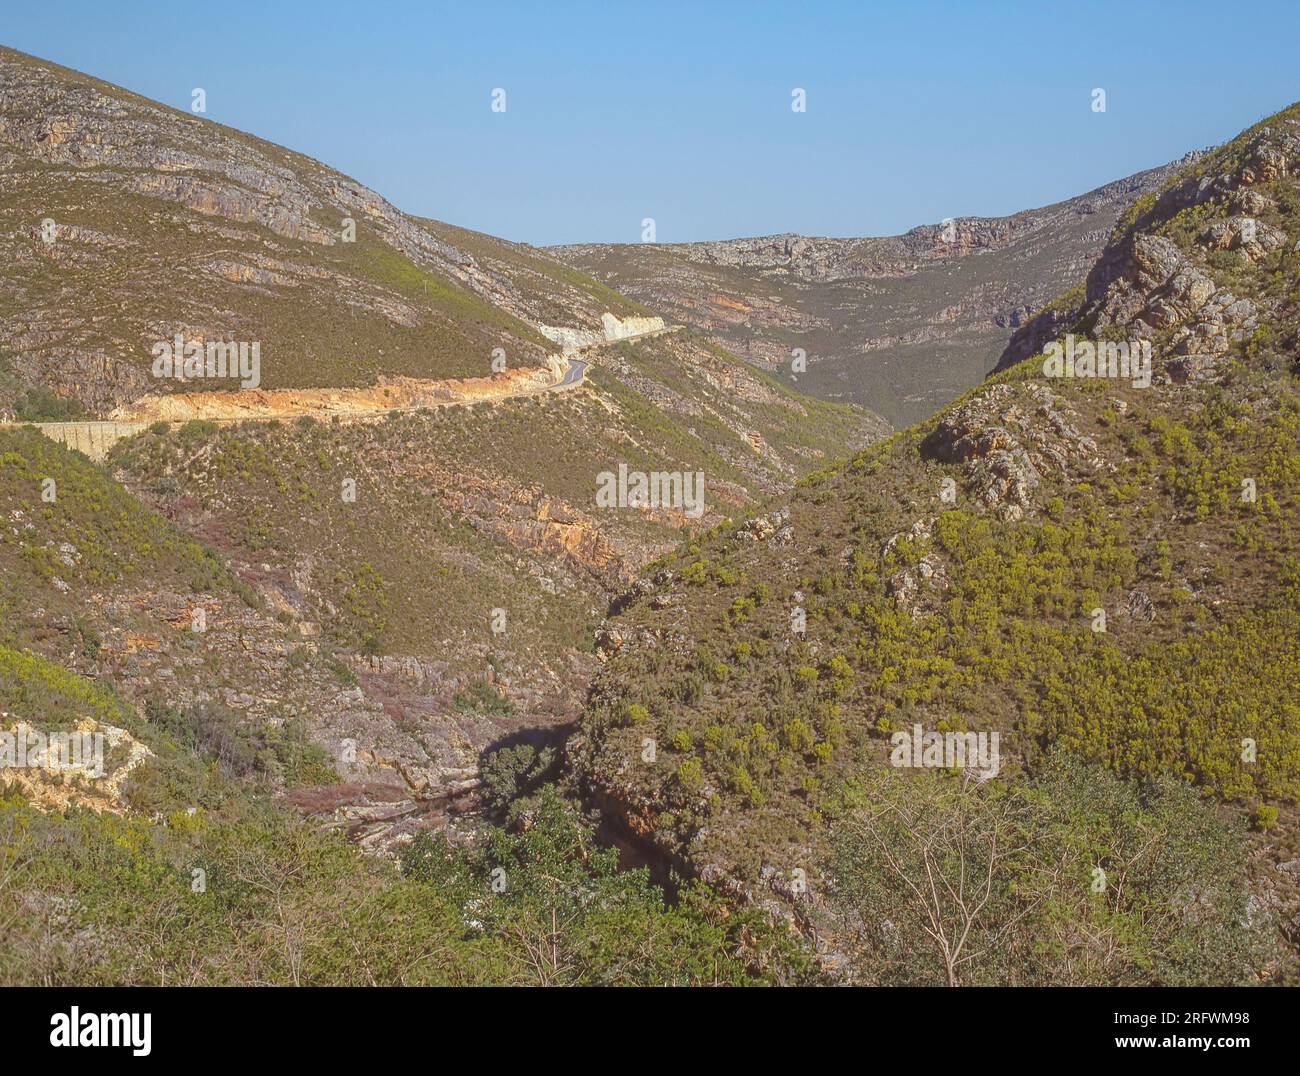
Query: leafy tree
[(564, 908), (511, 773)]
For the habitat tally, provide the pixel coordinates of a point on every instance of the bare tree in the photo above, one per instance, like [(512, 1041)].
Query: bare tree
[(939, 862)]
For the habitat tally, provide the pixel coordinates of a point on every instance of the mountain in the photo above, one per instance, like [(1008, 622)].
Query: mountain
[(901, 325), (1104, 566), (396, 547), (162, 222)]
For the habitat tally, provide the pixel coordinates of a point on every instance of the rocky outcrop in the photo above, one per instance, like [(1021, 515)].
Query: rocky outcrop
[(1184, 295), (1163, 290), (89, 773), (1008, 437), (919, 586), (548, 525)]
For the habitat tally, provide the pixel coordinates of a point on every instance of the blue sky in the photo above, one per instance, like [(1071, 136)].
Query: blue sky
[(616, 111)]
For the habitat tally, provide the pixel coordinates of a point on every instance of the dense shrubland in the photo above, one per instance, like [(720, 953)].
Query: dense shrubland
[(247, 894)]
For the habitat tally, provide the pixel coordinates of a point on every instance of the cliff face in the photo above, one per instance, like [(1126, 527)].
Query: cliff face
[(612, 329), (900, 325)]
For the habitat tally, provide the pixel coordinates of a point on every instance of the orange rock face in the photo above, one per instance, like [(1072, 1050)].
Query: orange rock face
[(390, 394)]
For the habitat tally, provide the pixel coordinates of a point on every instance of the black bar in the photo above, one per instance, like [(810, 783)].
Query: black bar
[(334, 1025)]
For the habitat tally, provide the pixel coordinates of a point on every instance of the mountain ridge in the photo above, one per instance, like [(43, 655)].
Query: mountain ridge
[(899, 324), (245, 239)]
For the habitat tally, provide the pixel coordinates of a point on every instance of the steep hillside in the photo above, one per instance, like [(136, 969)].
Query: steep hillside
[(457, 559), (901, 325), (552, 289), (124, 223), (1106, 566)]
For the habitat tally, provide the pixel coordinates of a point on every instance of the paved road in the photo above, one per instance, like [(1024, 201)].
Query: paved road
[(572, 376)]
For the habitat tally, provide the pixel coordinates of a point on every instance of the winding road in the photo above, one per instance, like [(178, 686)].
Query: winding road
[(95, 438)]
